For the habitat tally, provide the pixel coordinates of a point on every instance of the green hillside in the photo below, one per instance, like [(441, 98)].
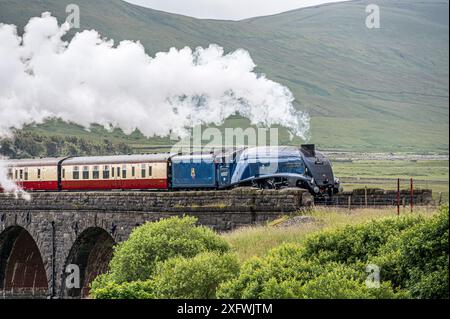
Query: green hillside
[(366, 89)]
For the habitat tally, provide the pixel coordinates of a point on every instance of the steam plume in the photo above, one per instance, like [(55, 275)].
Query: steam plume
[(89, 80)]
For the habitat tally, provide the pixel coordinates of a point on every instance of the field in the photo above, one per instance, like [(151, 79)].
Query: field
[(430, 172), (258, 240)]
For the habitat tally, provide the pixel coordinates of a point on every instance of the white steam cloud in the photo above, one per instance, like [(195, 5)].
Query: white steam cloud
[(8, 186), (89, 80)]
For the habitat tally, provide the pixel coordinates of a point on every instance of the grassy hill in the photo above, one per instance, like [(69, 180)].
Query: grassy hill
[(366, 89)]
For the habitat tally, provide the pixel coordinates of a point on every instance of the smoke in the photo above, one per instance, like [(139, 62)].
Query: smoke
[(8, 186), (90, 80)]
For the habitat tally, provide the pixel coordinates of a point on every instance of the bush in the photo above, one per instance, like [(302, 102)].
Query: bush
[(353, 244), (286, 273), (136, 258), (418, 258), (103, 287), (177, 277), (194, 278)]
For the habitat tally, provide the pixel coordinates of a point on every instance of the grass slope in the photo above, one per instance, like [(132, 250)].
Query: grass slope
[(379, 89)]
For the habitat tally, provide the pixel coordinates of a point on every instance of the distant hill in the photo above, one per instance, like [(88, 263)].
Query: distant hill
[(367, 89)]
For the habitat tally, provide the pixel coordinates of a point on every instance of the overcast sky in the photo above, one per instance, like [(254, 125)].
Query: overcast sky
[(227, 9)]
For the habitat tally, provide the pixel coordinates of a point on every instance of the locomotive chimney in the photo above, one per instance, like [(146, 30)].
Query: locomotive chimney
[(308, 149)]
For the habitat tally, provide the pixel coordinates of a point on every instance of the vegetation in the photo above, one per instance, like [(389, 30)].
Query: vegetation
[(366, 90), (27, 145), (136, 258), (172, 258), (411, 251)]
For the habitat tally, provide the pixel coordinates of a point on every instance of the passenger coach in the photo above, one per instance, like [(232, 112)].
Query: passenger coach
[(115, 172)]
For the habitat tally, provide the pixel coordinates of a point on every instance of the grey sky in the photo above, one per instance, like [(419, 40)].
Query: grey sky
[(227, 9)]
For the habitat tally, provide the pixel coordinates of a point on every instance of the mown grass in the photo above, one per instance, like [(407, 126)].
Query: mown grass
[(258, 240)]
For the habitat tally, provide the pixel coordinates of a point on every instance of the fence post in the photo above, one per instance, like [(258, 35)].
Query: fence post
[(365, 196), (440, 198), (412, 195), (349, 202), (398, 196)]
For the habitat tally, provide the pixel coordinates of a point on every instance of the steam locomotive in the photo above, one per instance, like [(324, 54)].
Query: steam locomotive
[(262, 167)]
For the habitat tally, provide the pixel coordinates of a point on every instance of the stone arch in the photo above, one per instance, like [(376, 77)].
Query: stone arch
[(91, 252), (22, 270)]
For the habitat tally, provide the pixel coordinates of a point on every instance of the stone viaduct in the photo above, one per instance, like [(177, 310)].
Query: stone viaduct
[(41, 237)]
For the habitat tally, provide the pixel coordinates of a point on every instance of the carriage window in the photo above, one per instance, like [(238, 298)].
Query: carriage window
[(76, 173), (25, 174), (143, 170), (118, 171), (124, 171), (150, 171), (85, 172), (112, 171), (10, 173), (106, 172), (21, 174), (38, 173), (95, 173), (15, 174), (133, 171), (63, 173)]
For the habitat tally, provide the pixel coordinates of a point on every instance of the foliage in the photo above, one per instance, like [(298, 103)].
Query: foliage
[(25, 145), (136, 258), (286, 273), (412, 253), (351, 244), (105, 288), (196, 277), (418, 258)]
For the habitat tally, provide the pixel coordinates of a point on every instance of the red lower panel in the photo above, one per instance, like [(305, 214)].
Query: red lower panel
[(115, 184), (39, 186)]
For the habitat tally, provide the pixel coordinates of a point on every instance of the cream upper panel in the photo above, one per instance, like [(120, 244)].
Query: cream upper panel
[(34, 173)]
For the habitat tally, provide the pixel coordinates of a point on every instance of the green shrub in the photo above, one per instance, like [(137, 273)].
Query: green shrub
[(194, 278), (418, 258), (177, 277), (136, 258), (286, 273), (353, 244), (105, 288)]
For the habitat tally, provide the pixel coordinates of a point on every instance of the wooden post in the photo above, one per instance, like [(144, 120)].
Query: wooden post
[(365, 196), (349, 202), (398, 196), (412, 195), (404, 202), (440, 198)]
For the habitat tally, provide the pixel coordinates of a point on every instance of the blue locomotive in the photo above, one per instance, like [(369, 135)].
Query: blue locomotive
[(262, 167)]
